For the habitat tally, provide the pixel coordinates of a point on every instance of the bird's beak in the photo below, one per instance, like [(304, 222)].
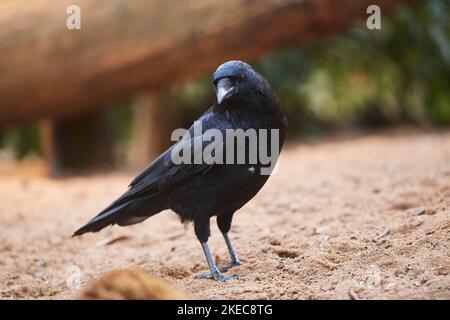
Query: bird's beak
[(225, 88)]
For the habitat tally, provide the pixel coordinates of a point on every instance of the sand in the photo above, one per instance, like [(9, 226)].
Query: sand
[(366, 217)]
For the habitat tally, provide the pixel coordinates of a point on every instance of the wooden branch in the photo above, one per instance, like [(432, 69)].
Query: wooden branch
[(125, 47), (79, 145)]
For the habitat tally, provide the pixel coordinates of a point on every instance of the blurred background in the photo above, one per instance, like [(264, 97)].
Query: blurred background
[(108, 95), (360, 208)]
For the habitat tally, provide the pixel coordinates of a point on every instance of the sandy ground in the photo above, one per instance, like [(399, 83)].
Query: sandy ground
[(361, 218)]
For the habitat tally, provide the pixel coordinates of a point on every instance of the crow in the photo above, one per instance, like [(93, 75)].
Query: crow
[(199, 190)]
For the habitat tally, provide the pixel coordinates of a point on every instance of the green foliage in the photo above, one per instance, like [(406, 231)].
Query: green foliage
[(120, 118), (24, 141), (399, 73), (120, 122)]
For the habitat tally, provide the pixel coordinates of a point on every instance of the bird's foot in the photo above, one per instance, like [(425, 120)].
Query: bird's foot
[(216, 276), (228, 266)]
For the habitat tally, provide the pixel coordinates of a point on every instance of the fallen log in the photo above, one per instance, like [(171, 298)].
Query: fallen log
[(125, 47)]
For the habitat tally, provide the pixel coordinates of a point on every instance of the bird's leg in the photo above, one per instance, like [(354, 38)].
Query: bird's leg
[(234, 260), (202, 232), (224, 224), (214, 274)]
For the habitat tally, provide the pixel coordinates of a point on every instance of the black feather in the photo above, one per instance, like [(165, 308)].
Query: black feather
[(199, 191)]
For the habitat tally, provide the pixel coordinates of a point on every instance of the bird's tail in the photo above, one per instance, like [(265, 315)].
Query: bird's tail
[(123, 214)]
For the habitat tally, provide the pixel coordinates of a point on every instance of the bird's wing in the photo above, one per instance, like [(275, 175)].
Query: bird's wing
[(163, 173)]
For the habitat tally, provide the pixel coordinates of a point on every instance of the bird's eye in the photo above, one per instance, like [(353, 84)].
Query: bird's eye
[(233, 79), (237, 79)]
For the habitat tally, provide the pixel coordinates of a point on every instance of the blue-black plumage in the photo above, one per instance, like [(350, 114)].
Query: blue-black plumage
[(198, 191)]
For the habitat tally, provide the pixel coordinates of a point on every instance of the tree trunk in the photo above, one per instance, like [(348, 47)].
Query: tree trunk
[(151, 131), (77, 146), (125, 47)]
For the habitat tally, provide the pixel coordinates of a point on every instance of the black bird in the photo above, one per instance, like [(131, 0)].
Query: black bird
[(198, 191)]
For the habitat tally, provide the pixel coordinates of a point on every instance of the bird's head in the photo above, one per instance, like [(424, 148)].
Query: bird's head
[(235, 78)]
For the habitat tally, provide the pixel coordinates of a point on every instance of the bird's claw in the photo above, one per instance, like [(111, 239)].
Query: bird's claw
[(203, 276), (216, 276), (230, 265)]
